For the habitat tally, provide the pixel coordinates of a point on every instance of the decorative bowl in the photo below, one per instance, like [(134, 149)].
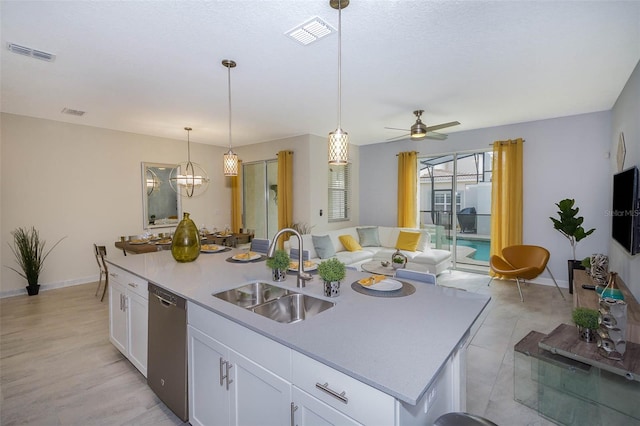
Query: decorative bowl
[(384, 263)]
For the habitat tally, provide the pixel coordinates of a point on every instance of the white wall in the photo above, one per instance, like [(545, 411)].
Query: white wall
[(310, 175), (563, 158), (626, 117), (85, 183)]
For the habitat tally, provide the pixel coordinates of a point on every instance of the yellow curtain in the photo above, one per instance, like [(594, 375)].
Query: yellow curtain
[(506, 195), (407, 189), (285, 191), (236, 200)]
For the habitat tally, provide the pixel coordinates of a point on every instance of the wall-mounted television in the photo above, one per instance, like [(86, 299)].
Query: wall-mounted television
[(625, 224)]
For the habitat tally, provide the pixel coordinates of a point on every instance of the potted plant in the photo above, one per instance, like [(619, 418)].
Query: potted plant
[(332, 271), (279, 264), (586, 320), (30, 255), (569, 224), (398, 260)]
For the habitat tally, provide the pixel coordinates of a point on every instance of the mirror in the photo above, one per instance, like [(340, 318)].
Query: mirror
[(161, 206)]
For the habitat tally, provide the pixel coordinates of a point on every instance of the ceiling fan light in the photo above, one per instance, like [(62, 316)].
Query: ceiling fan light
[(418, 130), (338, 147)]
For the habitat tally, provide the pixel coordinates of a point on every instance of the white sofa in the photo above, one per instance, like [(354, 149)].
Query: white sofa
[(425, 258)]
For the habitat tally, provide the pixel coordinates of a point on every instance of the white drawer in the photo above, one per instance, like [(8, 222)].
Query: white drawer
[(129, 281), (357, 400)]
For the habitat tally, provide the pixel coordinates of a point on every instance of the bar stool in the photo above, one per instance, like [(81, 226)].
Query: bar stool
[(101, 253), (462, 419)]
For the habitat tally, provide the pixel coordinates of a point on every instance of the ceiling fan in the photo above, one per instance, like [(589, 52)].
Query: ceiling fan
[(420, 131)]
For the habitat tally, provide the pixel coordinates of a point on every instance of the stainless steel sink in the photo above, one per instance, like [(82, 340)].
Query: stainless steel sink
[(252, 294), (276, 303), (292, 308)]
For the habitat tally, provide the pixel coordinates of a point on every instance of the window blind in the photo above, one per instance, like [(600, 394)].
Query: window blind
[(339, 193)]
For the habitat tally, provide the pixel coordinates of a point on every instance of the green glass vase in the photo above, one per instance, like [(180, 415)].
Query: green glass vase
[(185, 245)]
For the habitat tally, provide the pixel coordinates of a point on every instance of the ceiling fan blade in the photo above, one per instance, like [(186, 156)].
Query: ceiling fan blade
[(395, 128), (436, 136), (399, 137), (442, 126)]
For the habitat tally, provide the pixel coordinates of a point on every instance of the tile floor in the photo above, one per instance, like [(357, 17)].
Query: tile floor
[(57, 366)]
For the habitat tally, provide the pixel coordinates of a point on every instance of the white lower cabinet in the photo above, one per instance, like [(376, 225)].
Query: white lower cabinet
[(308, 411), (240, 377), (128, 316)]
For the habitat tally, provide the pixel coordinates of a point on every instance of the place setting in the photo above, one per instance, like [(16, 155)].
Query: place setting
[(213, 248), (246, 257), (379, 285), (308, 266)]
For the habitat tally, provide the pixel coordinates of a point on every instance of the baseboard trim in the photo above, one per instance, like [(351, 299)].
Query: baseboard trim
[(50, 286)]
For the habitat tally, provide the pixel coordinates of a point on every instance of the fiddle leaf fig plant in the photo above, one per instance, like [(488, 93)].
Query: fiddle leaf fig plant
[(569, 223)]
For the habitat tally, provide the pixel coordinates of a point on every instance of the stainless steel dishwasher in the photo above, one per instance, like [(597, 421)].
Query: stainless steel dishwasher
[(167, 350)]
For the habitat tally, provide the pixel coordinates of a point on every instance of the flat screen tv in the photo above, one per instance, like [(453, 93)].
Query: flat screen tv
[(625, 224)]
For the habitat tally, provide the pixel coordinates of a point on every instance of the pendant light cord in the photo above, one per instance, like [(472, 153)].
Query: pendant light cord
[(339, 64), (229, 81)]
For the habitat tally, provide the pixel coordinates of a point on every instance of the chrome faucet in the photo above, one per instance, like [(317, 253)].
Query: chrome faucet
[(303, 277)]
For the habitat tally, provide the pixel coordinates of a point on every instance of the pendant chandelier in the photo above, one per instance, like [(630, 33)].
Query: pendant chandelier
[(189, 179), (153, 182), (339, 139), (230, 163)]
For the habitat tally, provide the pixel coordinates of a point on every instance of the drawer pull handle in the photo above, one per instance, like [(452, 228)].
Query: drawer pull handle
[(341, 396), (134, 285)]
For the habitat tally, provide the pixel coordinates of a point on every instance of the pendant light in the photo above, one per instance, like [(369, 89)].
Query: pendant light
[(339, 139), (230, 164), (189, 179)]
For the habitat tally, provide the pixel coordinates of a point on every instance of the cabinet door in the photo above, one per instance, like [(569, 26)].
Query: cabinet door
[(309, 411), (208, 398), (258, 397), (117, 317), (138, 316)]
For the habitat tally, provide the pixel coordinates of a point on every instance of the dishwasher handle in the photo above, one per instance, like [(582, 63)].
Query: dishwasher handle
[(164, 301)]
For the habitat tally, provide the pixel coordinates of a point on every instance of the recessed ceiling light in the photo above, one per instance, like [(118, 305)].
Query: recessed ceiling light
[(27, 51), (310, 31), (73, 112)]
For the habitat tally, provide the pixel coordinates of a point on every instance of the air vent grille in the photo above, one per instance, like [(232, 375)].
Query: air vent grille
[(310, 31), (73, 112), (27, 51)]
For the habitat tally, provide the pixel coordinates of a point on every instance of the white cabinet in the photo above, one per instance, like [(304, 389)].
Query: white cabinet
[(128, 316), (227, 387), (308, 410)]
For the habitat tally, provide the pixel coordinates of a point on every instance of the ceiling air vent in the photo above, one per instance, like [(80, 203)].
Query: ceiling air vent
[(73, 112), (310, 31), (27, 51)]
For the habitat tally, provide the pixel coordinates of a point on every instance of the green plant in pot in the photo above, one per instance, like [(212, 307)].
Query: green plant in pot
[(279, 264), (332, 271), (569, 224), (587, 321), (30, 254)]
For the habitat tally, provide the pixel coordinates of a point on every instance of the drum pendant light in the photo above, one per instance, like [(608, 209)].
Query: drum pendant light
[(230, 163), (339, 139)]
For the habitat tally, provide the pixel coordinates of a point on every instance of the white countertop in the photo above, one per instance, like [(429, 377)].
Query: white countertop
[(396, 345)]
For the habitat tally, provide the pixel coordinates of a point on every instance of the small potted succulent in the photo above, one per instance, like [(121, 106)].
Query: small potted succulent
[(586, 319), (332, 271), (279, 264), (398, 260)]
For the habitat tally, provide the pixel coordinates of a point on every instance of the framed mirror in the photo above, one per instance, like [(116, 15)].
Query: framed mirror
[(161, 207)]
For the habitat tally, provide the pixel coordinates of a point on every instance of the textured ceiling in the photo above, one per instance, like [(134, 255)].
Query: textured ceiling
[(154, 67)]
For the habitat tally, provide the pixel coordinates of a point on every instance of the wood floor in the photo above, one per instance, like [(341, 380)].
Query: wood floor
[(57, 366)]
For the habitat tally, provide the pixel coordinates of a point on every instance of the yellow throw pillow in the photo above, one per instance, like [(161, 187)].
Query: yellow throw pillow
[(408, 241), (349, 242)]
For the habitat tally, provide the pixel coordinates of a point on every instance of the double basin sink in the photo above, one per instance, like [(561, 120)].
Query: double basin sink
[(276, 303)]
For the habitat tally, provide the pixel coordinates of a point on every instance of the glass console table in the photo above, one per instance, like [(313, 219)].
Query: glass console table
[(567, 382)]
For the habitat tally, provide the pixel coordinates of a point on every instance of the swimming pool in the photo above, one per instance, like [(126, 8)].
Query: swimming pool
[(482, 248)]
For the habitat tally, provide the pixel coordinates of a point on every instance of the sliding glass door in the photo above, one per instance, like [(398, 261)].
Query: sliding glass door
[(260, 197), (455, 205)]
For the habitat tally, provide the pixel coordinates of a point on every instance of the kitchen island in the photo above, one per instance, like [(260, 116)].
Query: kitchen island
[(404, 356)]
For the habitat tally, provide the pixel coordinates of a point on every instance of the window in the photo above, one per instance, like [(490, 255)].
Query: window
[(339, 193)]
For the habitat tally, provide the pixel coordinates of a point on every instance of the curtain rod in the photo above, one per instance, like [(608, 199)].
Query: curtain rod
[(290, 152), (510, 140)]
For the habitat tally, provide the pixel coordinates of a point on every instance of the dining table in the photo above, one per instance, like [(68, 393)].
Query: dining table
[(148, 246)]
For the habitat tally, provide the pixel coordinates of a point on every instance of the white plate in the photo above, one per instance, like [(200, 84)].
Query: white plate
[(220, 248), (253, 256), (138, 243), (385, 285), (306, 268)]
